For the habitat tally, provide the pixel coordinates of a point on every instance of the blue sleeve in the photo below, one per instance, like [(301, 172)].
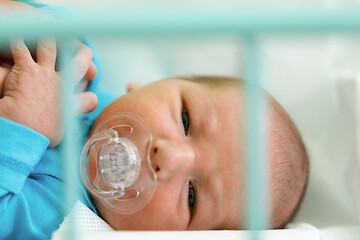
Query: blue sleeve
[(20, 150), (30, 200)]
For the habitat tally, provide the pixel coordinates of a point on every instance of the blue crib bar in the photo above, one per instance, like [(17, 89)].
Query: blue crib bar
[(176, 20)]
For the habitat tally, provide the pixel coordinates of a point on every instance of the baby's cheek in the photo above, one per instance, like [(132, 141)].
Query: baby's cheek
[(163, 212)]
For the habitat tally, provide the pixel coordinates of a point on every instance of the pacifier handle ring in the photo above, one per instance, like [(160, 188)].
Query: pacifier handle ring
[(119, 194), (116, 193)]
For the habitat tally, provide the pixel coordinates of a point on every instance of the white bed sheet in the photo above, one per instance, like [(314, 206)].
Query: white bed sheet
[(196, 235), (87, 225)]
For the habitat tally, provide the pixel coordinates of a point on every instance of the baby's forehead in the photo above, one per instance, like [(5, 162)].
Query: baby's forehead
[(213, 90)]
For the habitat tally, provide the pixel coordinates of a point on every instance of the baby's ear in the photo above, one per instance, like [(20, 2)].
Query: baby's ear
[(132, 86)]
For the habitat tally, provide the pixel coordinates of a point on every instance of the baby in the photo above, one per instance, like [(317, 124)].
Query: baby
[(198, 156)]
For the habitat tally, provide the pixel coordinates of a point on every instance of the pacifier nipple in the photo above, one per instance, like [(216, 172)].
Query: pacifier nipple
[(119, 163)]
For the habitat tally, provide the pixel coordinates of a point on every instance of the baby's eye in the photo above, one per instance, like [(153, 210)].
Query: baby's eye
[(191, 197), (185, 120)]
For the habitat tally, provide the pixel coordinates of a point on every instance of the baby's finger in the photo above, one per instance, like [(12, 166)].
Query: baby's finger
[(20, 52), (80, 63), (81, 86), (91, 73), (88, 102), (46, 53)]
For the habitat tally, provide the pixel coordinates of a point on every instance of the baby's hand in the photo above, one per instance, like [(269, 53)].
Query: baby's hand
[(31, 90)]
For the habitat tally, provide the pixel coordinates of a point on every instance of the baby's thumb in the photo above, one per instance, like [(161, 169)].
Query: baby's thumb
[(88, 102)]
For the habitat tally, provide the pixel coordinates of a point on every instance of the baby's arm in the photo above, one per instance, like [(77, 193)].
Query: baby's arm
[(30, 189)]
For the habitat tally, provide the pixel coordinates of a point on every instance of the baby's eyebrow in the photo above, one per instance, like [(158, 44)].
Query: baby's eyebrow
[(207, 120), (202, 115)]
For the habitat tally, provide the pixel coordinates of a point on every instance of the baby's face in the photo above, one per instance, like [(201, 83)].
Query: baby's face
[(196, 153)]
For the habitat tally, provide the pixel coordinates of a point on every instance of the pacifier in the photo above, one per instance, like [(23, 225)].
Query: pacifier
[(115, 163)]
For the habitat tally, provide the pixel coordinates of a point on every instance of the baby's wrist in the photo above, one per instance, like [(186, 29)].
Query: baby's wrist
[(12, 112), (9, 111)]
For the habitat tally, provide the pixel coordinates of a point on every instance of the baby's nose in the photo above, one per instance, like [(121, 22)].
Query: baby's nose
[(170, 159)]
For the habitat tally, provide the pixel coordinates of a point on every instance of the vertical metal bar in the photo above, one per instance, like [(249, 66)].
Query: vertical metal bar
[(257, 207), (69, 146)]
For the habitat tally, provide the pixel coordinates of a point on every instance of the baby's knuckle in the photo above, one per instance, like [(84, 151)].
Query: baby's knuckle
[(19, 72), (48, 47), (16, 71), (81, 67), (87, 50)]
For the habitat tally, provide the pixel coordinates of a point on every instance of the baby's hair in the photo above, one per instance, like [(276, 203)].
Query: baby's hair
[(290, 166), (287, 154), (213, 81)]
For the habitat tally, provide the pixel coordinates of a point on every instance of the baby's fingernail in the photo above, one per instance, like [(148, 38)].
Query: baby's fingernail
[(49, 42), (17, 44)]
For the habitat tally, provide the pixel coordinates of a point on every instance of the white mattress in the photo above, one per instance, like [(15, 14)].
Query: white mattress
[(87, 225), (208, 235)]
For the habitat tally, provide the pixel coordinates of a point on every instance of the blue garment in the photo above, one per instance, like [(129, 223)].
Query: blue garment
[(31, 181)]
